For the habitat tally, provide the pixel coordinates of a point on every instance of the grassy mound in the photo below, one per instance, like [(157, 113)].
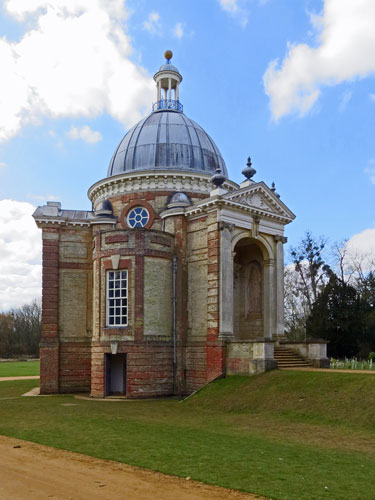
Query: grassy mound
[(343, 399)]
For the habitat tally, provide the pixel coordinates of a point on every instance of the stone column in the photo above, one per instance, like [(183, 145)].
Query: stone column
[(159, 90), (226, 281), (280, 240), (269, 297)]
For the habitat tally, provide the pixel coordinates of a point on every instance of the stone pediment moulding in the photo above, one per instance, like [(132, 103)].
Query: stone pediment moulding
[(222, 202), (260, 197)]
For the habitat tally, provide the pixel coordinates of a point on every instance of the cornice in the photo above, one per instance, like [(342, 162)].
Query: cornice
[(152, 180), (61, 222)]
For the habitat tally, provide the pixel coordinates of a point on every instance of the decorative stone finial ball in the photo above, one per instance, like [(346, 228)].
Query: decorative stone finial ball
[(168, 54)]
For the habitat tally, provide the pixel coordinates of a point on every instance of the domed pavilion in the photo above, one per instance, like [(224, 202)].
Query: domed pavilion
[(174, 278)]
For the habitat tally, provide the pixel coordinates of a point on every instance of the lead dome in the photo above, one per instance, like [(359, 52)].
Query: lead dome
[(167, 139)]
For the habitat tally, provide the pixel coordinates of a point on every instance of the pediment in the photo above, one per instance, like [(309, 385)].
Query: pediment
[(260, 198)]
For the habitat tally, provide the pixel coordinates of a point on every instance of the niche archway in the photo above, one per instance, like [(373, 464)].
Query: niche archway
[(248, 290)]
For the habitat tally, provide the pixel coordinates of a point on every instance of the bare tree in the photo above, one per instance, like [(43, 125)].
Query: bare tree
[(20, 331), (311, 267), (296, 308)]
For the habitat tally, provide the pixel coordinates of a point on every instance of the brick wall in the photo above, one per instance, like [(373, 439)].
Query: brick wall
[(75, 367), (149, 368), (49, 342)]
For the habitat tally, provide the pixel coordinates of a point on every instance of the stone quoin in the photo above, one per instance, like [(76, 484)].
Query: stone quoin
[(176, 275)]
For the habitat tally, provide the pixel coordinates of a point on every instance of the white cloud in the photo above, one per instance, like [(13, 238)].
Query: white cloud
[(234, 9), (152, 24), (372, 97), (361, 248), (73, 60), (3, 164), (86, 134), (370, 170), (345, 51), (20, 254), (178, 31), (344, 100)]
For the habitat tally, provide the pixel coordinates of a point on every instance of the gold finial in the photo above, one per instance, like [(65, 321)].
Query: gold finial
[(168, 54)]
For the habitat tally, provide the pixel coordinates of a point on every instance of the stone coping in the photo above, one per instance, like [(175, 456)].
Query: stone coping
[(307, 341), (251, 341)]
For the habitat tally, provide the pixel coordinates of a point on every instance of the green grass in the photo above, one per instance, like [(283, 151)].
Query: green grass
[(284, 435), (19, 368), (340, 399)]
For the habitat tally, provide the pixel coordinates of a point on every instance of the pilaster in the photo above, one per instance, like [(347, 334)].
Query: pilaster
[(226, 281), (280, 240), (269, 298)]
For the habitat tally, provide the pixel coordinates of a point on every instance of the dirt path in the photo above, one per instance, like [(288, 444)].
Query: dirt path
[(26, 377), (30, 471)]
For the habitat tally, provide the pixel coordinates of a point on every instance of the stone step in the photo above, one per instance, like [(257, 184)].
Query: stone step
[(287, 358), (294, 363)]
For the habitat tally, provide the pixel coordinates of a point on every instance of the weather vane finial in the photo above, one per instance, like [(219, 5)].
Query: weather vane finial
[(168, 54)]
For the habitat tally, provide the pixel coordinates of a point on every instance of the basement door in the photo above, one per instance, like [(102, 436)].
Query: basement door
[(115, 374)]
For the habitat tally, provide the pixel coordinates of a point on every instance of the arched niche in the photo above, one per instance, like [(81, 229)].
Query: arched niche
[(248, 289)]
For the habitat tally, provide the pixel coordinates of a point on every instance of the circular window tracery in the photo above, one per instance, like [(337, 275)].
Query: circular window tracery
[(138, 217)]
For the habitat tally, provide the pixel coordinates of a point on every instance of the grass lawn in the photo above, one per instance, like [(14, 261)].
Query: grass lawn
[(19, 368), (284, 435)]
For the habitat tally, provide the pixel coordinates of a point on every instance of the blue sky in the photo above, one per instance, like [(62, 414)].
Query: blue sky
[(290, 83)]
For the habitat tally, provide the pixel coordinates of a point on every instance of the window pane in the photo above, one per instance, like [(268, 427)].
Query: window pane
[(117, 290)]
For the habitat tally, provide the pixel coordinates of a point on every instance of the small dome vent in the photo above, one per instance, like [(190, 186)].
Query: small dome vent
[(103, 209), (179, 200)]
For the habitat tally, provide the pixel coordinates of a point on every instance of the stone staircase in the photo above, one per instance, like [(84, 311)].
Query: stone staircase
[(287, 358)]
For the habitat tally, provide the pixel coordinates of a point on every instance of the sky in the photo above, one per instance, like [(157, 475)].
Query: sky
[(288, 82)]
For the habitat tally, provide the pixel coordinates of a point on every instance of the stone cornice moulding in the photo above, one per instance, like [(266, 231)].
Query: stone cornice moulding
[(151, 180), (61, 222)]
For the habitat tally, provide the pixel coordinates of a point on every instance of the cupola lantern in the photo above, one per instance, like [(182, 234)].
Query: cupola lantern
[(167, 79)]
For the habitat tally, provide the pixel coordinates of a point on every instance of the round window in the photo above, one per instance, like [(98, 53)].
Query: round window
[(138, 217)]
